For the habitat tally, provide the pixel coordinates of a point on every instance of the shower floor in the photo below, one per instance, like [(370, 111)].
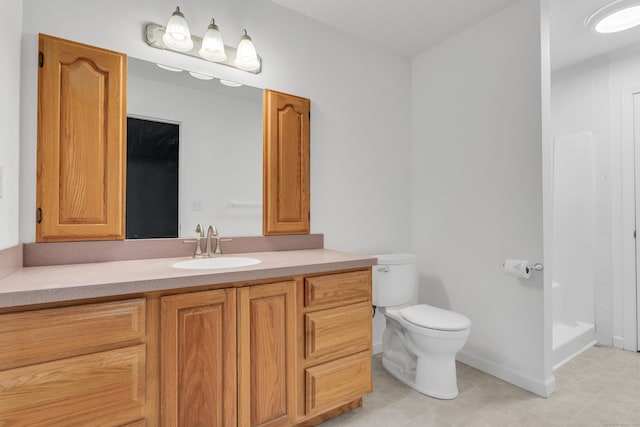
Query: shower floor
[(569, 340)]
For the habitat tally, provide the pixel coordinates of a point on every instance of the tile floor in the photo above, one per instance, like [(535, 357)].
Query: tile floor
[(600, 388)]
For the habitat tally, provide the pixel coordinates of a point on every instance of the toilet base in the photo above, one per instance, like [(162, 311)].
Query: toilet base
[(436, 380)]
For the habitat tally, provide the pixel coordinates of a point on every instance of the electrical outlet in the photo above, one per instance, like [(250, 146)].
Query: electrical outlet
[(196, 205)]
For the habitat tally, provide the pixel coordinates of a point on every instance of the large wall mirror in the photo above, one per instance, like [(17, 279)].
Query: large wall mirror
[(220, 145)]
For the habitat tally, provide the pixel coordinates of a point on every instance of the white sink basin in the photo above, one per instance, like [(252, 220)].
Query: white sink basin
[(212, 263)]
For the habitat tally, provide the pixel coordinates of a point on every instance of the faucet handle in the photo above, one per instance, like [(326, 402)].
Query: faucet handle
[(200, 229)]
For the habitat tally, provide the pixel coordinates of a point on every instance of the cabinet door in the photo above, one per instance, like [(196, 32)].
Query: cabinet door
[(266, 354), (81, 142), (198, 359), (286, 164)]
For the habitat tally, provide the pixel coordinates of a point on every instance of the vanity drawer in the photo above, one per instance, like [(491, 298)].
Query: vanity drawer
[(39, 336), (338, 331), (337, 289), (100, 389), (338, 382)]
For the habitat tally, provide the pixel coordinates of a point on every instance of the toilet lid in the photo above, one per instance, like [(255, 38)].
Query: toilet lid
[(435, 318)]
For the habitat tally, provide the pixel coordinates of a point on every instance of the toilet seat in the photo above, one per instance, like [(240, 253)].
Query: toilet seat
[(435, 318)]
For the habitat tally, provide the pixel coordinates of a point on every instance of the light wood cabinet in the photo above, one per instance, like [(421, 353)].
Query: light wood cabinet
[(80, 365), (198, 359), (282, 353), (286, 190), (266, 354), (81, 155), (335, 349)]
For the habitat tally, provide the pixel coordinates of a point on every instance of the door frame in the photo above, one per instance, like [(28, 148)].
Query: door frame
[(624, 224)]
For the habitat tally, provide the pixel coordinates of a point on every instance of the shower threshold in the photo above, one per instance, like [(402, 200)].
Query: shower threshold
[(569, 340)]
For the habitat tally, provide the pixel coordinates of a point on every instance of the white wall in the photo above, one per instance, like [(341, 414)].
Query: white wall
[(580, 103), (360, 108), (477, 106), (9, 131)]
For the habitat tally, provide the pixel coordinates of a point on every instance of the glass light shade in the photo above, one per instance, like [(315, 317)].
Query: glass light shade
[(212, 44), (176, 34), (246, 56)]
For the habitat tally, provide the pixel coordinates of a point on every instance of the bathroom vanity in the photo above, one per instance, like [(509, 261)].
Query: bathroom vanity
[(141, 343), (138, 342)]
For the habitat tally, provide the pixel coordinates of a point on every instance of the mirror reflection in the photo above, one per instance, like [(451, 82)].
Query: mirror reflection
[(220, 146)]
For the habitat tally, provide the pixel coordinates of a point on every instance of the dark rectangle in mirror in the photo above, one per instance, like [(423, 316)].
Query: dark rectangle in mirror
[(152, 178)]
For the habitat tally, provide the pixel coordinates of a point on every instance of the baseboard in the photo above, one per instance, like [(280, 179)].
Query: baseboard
[(541, 388), (377, 347), (618, 342), (575, 354)]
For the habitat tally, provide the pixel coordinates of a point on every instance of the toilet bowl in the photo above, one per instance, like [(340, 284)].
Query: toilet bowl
[(420, 341)]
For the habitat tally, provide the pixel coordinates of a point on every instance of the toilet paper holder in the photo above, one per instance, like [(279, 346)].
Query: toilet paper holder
[(537, 266), (522, 268)]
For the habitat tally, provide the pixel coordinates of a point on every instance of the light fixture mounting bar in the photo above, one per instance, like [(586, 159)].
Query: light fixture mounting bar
[(153, 37)]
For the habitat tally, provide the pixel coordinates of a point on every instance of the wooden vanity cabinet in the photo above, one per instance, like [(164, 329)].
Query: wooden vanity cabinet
[(286, 190), (335, 368), (79, 365), (266, 354), (81, 155), (206, 338), (198, 359), (296, 351)]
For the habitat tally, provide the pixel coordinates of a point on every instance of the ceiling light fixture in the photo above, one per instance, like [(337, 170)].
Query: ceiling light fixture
[(177, 37), (618, 15)]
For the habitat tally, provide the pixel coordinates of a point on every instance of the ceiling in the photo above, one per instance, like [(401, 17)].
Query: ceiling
[(408, 27), (572, 42)]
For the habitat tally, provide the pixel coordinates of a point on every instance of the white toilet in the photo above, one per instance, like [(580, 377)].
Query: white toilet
[(420, 342)]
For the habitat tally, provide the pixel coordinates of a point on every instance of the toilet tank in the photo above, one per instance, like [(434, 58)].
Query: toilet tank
[(394, 280)]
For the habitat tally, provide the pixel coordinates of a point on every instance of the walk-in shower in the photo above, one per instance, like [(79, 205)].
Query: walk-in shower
[(574, 258)]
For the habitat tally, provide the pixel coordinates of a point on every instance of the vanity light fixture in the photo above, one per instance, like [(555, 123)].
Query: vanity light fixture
[(177, 37), (618, 15)]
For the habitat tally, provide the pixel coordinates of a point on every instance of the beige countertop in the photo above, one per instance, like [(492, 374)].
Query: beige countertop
[(46, 284)]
